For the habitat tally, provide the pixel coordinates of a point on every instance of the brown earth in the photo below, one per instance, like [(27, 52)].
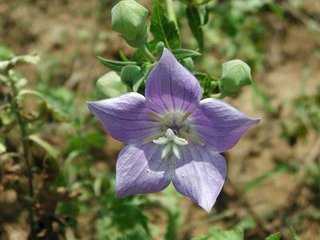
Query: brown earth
[(75, 34)]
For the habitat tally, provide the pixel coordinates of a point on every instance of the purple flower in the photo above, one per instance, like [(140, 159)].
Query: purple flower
[(171, 136)]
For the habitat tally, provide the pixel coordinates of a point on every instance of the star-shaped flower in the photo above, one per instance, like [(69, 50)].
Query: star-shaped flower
[(171, 135)]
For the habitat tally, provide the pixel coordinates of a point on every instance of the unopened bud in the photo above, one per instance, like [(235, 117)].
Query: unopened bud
[(129, 18), (235, 74)]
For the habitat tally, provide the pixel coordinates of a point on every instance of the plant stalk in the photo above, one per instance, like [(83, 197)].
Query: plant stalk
[(26, 151), (147, 53), (171, 13)]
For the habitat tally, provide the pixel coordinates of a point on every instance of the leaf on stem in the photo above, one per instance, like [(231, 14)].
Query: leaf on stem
[(162, 28), (115, 65), (51, 151), (195, 24)]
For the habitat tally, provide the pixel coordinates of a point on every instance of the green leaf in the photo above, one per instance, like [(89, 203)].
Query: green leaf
[(19, 80), (52, 152), (140, 83), (110, 85), (294, 234), (172, 226), (86, 141), (5, 53), (208, 83), (7, 117), (115, 65), (195, 24), (188, 63), (218, 234), (137, 234), (3, 148), (29, 92), (182, 53), (97, 185), (126, 215), (275, 236), (246, 224), (31, 58), (162, 28)]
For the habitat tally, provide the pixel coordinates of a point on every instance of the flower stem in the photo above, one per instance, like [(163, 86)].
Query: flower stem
[(147, 53), (171, 13), (26, 151)]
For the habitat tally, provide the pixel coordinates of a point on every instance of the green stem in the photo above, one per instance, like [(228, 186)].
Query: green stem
[(147, 53), (26, 151), (171, 13)]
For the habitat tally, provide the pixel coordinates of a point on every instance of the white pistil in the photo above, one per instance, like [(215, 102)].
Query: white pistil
[(171, 144), (161, 140), (176, 151)]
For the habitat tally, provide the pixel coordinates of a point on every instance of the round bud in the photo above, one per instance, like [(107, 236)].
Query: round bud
[(235, 74), (129, 18), (110, 85), (130, 74)]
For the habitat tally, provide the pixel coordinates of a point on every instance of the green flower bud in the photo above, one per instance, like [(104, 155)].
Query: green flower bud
[(130, 74), (129, 18), (110, 85), (159, 48), (235, 74), (188, 63)]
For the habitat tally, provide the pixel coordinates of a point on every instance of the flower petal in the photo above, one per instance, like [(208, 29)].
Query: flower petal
[(200, 175), (219, 124), (126, 117), (141, 170), (172, 86)]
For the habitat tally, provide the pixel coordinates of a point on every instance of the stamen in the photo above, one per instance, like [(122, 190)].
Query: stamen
[(185, 116), (171, 143), (166, 151), (176, 151), (161, 140), (170, 134), (180, 141)]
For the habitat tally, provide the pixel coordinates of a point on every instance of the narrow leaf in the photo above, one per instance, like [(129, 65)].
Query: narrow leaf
[(182, 53), (115, 65), (162, 28), (3, 148), (52, 152), (195, 24), (275, 236)]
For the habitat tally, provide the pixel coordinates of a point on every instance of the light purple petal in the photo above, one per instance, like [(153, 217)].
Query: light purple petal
[(220, 125), (141, 170), (200, 175), (126, 117), (172, 86)]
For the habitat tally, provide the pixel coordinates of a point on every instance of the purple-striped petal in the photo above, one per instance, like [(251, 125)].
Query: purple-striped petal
[(126, 117), (171, 86), (200, 175), (141, 170), (220, 125)]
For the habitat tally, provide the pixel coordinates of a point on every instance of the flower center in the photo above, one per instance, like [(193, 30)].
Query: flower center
[(176, 121), (171, 144)]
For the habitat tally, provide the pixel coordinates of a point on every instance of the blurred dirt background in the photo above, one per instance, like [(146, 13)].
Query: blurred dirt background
[(72, 33)]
